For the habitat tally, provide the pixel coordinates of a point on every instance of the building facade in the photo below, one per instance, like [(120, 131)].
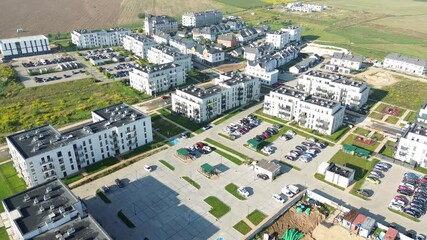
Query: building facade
[(349, 61), (410, 65), (44, 153), (183, 45), (155, 79), (138, 44), (161, 54), (253, 53), (263, 68), (154, 24), (322, 115), (84, 38), (294, 33), (352, 93), (279, 39), (228, 40), (50, 211), (208, 55), (24, 46), (412, 146), (422, 115), (201, 19), (232, 90)]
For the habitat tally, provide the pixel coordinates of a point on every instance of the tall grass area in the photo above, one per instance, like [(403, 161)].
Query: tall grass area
[(245, 3), (10, 183)]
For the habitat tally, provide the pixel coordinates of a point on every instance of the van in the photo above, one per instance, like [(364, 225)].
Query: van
[(293, 188)]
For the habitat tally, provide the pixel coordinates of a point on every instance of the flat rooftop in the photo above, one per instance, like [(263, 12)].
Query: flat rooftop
[(45, 138), (266, 165), (340, 170), (141, 38), (236, 78), (201, 92), (289, 91), (336, 78), (417, 129), (26, 38), (168, 50), (157, 68), (53, 197), (411, 60), (83, 31), (77, 229)]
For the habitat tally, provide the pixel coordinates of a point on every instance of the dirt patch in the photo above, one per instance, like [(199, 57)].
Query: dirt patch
[(334, 232), (377, 78), (231, 67), (47, 16), (300, 221)]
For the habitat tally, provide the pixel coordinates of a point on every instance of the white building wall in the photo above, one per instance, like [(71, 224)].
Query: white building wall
[(25, 46), (404, 67), (102, 38), (413, 147), (156, 56), (137, 47), (156, 82), (279, 39)]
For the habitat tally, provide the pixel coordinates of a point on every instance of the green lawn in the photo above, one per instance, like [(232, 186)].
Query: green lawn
[(191, 181), (361, 131), (3, 234), (242, 227), (380, 107), (376, 115), (245, 3), (232, 189), (98, 166), (261, 113), (180, 120), (256, 217), (228, 149), (227, 116), (165, 127), (10, 183), (102, 196), (411, 117), (72, 179), (219, 208), (392, 119), (125, 220), (388, 149), (229, 157), (157, 142), (350, 140), (168, 165)]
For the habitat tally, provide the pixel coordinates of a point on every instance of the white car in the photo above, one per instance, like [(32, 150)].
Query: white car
[(243, 192), (287, 192), (267, 150), (290, 132), (394, 206), (207, 149), (207, 127), (184, 136), (148, 168), (278, 198), (311, 151)]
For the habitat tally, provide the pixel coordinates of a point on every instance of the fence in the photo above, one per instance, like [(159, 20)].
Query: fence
[(325, 200), (410, 165)]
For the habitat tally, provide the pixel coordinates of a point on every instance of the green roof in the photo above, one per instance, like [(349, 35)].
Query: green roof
[(363, 152), (207, 168), (348, 147), (183, 151), (253, 142)]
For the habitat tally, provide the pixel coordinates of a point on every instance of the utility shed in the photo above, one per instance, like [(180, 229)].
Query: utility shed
[(183, 153), (349, 218), (357, 223), (367, 227), (253, 144), (271, 169), (339, 175), (391, 234)]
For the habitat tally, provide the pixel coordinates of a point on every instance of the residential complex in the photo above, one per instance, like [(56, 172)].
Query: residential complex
[(279, 39), (304, 7), (294, 33), (154, 24), (85, 38), (412, 145), (24, 46), (161, 54), (201, 19), (210, 32), (183, 45), (349, 92), (398, 62), (344, 63), (253, 53), (227, 40), (207, 54), (323, 115), (155, 79), (233, 89), (50, 211), (138, 44), (43, 153)]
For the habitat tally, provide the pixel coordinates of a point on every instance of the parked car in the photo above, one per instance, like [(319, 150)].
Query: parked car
[(420, 237), (119, 183), (243, 192), (287, 192), (207, 149), (363, 192), (395, 206), (301, 148), (377, 174), (207, 127), (290, 132), (263, 176), (278, 198), (322, 145), (148, 168), (373, 180), (292, 158), (105, 189), (285, 137)]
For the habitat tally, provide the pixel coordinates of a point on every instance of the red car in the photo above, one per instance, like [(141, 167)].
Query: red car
[(265, 135), (199, 145)]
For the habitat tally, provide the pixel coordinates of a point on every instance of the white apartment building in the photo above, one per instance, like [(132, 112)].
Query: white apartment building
[(422, 115), (349, 92), (161, 54), (410, 65), (50, 211), (24, 46), (154, 24), (233, 89), (253, 53), (209, 55), (294, 33), (286, 55), (138, 44), (85, 38), (412, 146), (263, 68), (279, 39), (349, 61), (183, 45), (155, 79), (322, 115), (247, 35), (201, 19), (43, 153)]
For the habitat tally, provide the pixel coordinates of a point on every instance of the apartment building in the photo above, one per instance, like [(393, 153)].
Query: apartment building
[(138, 44), (304, 7), (163, 23), (50, 211), (182, 44), (279, 39), (263, 68), (24, 46), (85, 38), (349, 92), (161, 54), (161, 37), (286, 55), (406, 64), (210, 32), (233, 89), (227, 40), (247, 35), (155, 79), (294, 33), (43, 153), (412, 146), (422, 115), (349, 61), (253, 53), (201, 19), (323, 115), (236, 25), (207, 54)]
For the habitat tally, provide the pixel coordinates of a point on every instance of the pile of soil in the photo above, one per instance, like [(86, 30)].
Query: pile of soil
[(299, 221)]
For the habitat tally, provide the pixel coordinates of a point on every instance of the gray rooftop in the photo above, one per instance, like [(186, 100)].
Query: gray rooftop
[(306, 97), (415, 61), (416, 129), (84, 31), (337, 78), (53, 197), (236, 78), (349, 57), (142, 38), (168, 50), (77, 229), (340, 170), (268, 166), (161, 18), (45, 138), (26, 38), (201, 92), (157, 68), (207, 12)]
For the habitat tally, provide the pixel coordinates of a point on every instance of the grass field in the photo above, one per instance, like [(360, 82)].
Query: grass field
[(237, 153), (392, 119), (3, 233), (350, 140), (376, 115), (10, 183), (411, 117), (256, 217), (191, 181), (180, 120), (219, 208), (229, 157), (165, 127), (98, 166), (232, 189), (245, 3), (168, 165), (242, 227), (361, 131)]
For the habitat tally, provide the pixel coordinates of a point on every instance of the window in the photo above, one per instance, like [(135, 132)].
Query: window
[(90, 141), (71, 160), (62, 167), (61, 161), (59, 154), (69, 154), (72, 167)]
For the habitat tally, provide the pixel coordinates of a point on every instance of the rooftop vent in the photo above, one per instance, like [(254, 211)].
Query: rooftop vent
[(51, 207), (48, 189), (36, 200), (27, 198), (46, 197), (61, 209), (41, 209)]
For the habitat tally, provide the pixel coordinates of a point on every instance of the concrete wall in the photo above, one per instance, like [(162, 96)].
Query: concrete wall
[(325, 200)]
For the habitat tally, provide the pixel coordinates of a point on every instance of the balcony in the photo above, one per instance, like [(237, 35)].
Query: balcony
[(46, 162), (322, 126)]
